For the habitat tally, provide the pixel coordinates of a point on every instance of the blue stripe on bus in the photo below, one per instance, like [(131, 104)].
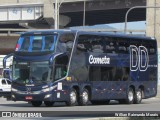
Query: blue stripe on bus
[(31, 41), (20, 41), (54, 37), (43, 43)]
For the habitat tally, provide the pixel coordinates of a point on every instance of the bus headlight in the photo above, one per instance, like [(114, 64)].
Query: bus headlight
[(45, 90), (49, 88), (47, 96), (13, 96), (14, 90)]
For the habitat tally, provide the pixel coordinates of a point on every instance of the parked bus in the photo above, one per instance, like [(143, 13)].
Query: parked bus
[(77, 67)]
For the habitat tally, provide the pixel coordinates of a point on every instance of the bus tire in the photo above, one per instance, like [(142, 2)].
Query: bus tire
[(84, 98), (48, 103), (72, 98), (138, 96), (130, 96), (36, 103)]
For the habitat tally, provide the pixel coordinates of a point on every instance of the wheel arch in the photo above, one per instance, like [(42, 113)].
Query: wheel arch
[(88, 87), (77, 88), (142, 88), (133, 87)]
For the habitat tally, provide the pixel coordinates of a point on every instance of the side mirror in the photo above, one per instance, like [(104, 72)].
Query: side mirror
[(54, 56), (5, 59)]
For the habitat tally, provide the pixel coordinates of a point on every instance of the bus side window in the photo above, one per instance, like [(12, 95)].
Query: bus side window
[(65, 43), (95, 73), (110, 47), (151, 50), (60, 70), (97, 48), (25, 44), (49, 41), (108, 73), (123, 46), (151, 47), (69, 45)]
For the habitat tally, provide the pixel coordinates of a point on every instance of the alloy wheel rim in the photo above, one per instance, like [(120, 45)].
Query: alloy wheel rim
[(85, 96), (139, 95), (130, 96), (73, 97)]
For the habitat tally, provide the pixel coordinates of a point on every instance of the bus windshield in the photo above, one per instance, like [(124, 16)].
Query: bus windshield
[(36, 43), (31, 72)]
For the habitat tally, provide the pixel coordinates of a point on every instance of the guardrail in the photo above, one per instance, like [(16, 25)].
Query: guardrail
[(16, 32)]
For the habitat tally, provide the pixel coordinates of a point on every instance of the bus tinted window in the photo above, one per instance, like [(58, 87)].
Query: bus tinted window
[(92, 43), (109, 73), (25, 43), (122, 46), (61, 63), (37, 43), (65, 43), (151, 46), (34, 43)]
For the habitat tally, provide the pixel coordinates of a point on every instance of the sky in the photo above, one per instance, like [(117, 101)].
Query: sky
[(139, 25)]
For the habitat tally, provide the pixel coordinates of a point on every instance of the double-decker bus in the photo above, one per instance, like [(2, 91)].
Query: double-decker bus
[(80, 67)]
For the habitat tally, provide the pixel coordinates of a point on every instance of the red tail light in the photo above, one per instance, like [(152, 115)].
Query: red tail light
[(17, 46)]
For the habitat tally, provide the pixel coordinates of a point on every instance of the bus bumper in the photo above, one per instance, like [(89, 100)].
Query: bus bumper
[(56, 96)]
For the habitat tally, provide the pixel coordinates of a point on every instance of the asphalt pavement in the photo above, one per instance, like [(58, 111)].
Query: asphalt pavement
[(60, 110)]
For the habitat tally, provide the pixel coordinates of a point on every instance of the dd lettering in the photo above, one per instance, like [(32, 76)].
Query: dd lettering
[(138, 58)]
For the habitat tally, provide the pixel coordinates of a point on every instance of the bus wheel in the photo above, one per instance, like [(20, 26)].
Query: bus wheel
[(84, 98), (48, 103), (36, 103), (72, 98), (138, 96), (130, 96)]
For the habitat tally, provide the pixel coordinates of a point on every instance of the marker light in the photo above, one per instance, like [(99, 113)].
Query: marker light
[(68, 78), (17, 47)]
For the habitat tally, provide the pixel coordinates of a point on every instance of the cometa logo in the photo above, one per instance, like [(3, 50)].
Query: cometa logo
[(98, 60)]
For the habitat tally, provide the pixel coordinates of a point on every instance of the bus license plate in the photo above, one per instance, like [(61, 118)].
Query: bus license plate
[(28, 97)]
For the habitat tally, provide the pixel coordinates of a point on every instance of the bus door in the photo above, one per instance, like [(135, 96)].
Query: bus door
[(60, 66)]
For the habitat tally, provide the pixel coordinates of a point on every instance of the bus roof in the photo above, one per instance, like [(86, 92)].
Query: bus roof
[(117, 35), (47, 31)]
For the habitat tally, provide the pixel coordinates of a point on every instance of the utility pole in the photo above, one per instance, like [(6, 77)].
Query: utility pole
[(137, 7), (56, 15), (84, 13)]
